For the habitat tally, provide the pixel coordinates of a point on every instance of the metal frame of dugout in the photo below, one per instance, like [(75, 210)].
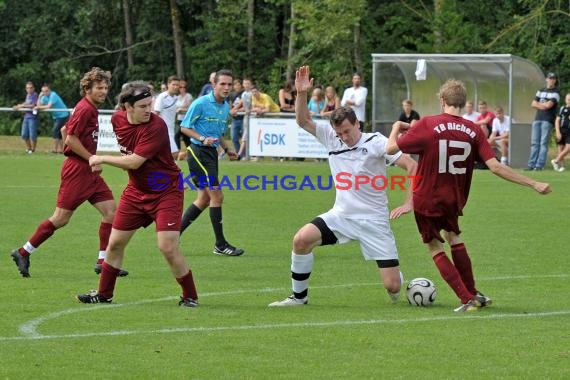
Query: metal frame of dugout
[(499, 79)]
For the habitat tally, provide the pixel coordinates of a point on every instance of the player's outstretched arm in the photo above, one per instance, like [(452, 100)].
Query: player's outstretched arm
[(303, 83), (509, 174), (410, 166), (128, 162)]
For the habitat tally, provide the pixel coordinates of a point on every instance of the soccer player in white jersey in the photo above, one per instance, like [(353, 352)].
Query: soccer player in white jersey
[(359, 214)]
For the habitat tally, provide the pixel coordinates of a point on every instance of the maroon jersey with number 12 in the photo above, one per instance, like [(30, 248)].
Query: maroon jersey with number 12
[(447, 146)]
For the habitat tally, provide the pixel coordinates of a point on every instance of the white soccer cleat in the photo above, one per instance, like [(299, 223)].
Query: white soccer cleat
[(555, 165), (290, 301)]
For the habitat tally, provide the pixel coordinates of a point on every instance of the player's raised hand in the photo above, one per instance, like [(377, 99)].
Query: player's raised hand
[(303, 80)]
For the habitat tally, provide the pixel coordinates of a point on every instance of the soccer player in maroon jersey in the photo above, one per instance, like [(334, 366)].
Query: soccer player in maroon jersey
[(447, 146), (152, 193), (80, 182)]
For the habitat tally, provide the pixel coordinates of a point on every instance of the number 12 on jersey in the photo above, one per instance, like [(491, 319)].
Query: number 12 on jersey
[(447, 162)]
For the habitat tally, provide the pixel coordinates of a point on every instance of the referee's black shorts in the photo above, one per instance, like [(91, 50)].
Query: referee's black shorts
[(203, 165)]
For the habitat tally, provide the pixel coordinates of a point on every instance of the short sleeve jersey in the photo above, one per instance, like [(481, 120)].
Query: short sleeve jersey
[(207, 117), (149, 140), (547, 95), (367, 159), (57, 103), (447, 146), (501, 127), (165, 104), (564, 115), (83, 124)]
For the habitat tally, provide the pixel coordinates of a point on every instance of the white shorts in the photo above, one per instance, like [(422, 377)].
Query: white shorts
[(375, 235), (173, 146)]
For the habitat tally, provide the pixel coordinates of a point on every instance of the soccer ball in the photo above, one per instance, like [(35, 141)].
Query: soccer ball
[(421, 292)]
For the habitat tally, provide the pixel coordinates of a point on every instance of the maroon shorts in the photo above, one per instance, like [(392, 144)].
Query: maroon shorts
[(431, 226), (80, 184), (137, 209)]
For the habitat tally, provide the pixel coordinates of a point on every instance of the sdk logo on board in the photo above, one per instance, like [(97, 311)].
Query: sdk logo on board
[(269, 139)]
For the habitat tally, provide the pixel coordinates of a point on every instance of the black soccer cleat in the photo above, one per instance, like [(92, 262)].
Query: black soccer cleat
[(93, 297), (22, 262), (228, 250), (122, 272), (188, 302)]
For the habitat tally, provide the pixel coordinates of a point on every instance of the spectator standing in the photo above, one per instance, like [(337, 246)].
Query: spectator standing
[(183, 101), (262, 103), (237, 130), (546, 103), (50, 99), (206, 123), (562, 126), (355, 97), (30, 119), (317, 102), (408, 115), (145, 151), (208, 87), (287, 96), (79, 181), (470, 114), (165, 107), (332, 101)]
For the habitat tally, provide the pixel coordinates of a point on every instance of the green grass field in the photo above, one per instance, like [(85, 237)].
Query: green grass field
[(349, 330)]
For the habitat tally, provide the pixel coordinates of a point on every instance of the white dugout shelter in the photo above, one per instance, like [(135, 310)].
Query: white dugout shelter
[(499, 79)]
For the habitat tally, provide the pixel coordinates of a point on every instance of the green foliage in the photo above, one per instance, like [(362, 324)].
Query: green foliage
[(57, 41)]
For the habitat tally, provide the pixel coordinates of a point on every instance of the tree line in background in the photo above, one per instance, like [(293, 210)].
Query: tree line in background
[(56, 41)]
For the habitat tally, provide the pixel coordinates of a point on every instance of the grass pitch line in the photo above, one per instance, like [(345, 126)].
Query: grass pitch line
[(290, 325), (29, 330)]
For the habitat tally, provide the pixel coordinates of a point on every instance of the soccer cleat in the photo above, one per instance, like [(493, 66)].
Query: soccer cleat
[(228, 250), (188, 302), (555, 165), (22, 262), (483, 299), (93, 297), (471, 305), (98, 267), (290, 301)]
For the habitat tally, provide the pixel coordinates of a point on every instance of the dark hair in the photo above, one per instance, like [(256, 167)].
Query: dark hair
[(133, 92), (221, 72), (341, 114), (91, 77)]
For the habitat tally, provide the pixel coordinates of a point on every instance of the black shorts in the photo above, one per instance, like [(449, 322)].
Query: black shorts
[(203, 165), (565, 137)]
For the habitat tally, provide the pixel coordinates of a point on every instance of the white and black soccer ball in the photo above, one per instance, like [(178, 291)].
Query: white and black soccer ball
[(421, 292)]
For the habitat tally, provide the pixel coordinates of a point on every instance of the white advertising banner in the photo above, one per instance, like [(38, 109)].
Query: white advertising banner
[(273, 137), (107, 141)]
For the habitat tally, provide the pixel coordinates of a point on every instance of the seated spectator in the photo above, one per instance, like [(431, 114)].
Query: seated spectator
[(262, 103), (317, 102), (485, 119), (287, 96), (408, 115), (332, 102), (470, 114), (500, 133)]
